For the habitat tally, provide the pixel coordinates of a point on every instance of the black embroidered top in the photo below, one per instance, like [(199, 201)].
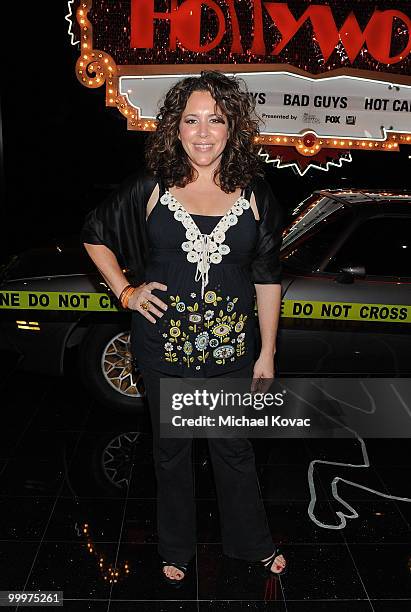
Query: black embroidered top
[(209, 264)]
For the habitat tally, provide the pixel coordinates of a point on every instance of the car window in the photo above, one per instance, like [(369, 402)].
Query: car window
[(308, 253), (382, 245)]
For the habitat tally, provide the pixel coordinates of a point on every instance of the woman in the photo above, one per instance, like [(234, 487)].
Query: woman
[(202, 231)]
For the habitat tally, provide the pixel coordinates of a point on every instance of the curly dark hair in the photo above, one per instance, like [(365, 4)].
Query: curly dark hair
[(239, 162)]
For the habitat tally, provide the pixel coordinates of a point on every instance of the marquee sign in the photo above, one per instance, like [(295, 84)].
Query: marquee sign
[(289, 53), (288, 104)]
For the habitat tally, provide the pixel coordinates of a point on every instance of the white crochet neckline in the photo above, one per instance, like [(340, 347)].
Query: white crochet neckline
[(204, 249)]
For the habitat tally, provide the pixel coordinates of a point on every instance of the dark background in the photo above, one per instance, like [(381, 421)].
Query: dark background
[(63, 148)]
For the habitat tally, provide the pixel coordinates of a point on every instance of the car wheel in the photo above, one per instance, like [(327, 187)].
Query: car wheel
[(108, 371)]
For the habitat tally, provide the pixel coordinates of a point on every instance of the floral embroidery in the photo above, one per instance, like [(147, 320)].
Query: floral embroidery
[(194, 317), (221, 330), (201, 341), (175, 329), (212, 298), (240, 323), (240, 348), (169, 355), (216, 334), (188, 347), (223, 352)]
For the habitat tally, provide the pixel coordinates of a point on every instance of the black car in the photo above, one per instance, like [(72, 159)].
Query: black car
[(346, 300)]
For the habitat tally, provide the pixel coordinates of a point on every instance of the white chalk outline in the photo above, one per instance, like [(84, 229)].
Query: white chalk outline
[(313, 495)]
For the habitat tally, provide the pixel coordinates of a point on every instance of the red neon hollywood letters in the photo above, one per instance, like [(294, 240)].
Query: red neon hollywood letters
[(185, 26)]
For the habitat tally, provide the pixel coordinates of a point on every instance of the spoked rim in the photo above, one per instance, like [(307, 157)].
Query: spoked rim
[(118, 367)]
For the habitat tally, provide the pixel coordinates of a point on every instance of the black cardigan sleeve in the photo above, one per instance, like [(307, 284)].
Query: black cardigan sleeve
[(266, 266), (119, 223)]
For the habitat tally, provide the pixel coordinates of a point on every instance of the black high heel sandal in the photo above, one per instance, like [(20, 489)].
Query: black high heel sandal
[(266, 565), (173, 581)]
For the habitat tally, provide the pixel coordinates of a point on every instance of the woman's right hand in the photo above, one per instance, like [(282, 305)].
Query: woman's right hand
[(143, 293)]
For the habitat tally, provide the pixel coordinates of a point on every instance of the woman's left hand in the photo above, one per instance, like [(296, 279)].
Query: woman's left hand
[(263, 373)]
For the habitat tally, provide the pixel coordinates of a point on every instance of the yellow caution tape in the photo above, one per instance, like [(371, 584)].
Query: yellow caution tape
[(346, 311), (57, 300), (294, 309)]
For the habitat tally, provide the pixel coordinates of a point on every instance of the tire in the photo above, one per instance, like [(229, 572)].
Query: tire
[(107, 369)]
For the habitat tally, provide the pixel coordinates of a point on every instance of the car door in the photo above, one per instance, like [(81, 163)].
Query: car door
[(360, 327)]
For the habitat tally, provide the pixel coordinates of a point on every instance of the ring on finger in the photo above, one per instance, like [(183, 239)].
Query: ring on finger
[(145, 305)]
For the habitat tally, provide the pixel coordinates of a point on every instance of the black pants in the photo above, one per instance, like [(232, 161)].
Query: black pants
[(244, 527)]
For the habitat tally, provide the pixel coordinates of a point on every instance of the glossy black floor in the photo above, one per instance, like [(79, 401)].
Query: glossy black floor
[(78, 515)]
